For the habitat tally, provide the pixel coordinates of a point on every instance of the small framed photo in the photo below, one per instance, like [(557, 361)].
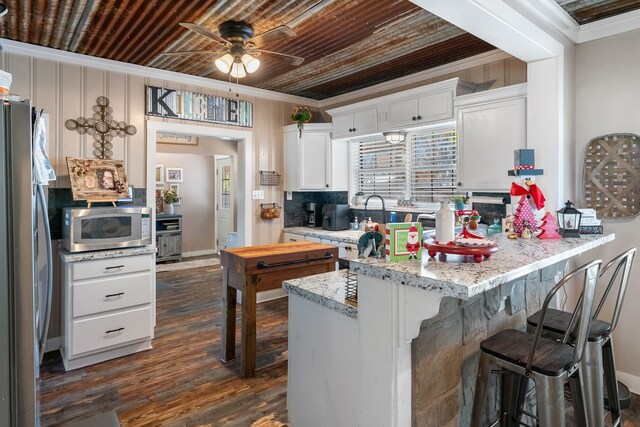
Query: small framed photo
[(174, 175), (176, 189), (159, 174)]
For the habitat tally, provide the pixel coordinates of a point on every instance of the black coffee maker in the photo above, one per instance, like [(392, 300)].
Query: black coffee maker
[(310, 217)]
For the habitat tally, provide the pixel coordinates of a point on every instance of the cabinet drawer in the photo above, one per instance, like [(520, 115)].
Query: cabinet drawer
[(110, 267), (110, 330), (111, 294)]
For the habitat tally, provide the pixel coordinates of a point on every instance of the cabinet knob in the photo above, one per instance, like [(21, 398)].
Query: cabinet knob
[(326, 185), (350, 130), (354, 129), (419, 117), (414, 118), (459, 184)]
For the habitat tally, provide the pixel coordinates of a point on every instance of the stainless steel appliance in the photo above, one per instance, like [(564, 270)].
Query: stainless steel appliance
[(335, 217), (106, 228), (310, 217), (24, 304)]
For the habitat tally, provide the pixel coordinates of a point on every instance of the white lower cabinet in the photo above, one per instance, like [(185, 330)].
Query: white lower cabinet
[(108, 307)]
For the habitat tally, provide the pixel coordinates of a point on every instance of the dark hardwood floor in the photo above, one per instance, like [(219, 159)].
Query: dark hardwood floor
[(181, 381)]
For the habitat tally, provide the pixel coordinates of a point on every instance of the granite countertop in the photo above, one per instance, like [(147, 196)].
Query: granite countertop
[(327, 289), (106, 254), (346, 236), (462, 278)]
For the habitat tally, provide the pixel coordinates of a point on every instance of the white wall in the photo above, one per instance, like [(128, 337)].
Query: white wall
[(607, 101)]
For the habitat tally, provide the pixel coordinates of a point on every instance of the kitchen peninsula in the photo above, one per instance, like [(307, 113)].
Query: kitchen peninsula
[(408, 354)]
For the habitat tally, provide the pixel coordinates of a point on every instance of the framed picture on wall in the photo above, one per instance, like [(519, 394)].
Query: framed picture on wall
[(176, 189), (159, 174), (174, 175)]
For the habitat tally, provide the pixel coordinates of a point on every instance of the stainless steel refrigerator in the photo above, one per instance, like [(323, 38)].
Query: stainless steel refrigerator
[(23, 312)]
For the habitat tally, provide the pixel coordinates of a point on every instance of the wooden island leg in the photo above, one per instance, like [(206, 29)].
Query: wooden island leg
[(248, 328), (229, 293)]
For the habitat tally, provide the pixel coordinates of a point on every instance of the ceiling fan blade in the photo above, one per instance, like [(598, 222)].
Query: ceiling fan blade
[(294, 60), (186, 52), (204, 32), (308, 13), (271, 35)]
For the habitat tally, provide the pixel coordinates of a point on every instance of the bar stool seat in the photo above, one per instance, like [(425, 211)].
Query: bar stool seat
[(552, 358), (557, 321)]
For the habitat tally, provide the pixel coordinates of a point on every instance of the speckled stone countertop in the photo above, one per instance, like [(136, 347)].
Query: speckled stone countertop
[(346, 236), (460, 277), (106, 254), (327, 289)]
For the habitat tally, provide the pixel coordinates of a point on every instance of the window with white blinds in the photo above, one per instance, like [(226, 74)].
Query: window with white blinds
[(424, 167)]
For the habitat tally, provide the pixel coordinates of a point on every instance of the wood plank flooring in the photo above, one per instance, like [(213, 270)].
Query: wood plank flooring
[(181, 381)]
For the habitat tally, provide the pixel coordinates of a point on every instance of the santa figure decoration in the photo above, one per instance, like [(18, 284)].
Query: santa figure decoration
[(413, 242)]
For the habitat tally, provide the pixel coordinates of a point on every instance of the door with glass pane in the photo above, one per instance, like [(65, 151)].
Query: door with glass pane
[(224, 201)]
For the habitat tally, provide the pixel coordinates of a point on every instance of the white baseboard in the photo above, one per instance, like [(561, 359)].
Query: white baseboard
[(199, 253), (53, 344), (265, 295), (631, 381)]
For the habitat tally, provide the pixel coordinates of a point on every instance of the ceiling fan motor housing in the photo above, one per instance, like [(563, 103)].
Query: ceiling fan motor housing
[(235, 31)]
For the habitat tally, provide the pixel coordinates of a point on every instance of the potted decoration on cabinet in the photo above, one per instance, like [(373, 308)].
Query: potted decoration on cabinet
[(301, 115), (170, 197)]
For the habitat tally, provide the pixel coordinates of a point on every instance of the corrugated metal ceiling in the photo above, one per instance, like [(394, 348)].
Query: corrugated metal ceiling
[(347, 44)]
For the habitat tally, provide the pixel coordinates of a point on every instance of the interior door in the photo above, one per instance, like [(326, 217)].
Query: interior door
[(224, 201)]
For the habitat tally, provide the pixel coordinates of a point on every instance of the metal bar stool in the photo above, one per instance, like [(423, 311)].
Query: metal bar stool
[(598, 357), (547, 362)]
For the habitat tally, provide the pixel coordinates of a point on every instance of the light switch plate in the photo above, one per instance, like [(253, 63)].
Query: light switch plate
[(289, 195), (258, 194)]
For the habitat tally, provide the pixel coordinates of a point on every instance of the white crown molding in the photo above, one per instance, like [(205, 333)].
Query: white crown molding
[(609, 27), (453, 67), (551, 13), (41, 52)]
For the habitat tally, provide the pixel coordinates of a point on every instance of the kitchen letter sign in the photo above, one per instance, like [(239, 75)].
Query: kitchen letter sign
[(185, 105)]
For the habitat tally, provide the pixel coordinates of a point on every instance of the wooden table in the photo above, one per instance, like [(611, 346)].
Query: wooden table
[(260, 268)]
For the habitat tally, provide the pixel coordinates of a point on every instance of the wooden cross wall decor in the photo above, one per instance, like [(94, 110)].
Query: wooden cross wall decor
[(102, 127), (611, 179)]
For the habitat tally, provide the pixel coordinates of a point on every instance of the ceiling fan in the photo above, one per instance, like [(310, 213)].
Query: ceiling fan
[(239, 47)]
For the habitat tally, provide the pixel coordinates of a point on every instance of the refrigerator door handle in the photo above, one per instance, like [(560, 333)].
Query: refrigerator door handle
[(42, 336)]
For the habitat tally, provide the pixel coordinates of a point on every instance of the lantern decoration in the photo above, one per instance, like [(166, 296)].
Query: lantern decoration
[(569, 220)]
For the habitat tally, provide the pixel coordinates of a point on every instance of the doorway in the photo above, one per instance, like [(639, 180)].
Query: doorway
[(224, 201)]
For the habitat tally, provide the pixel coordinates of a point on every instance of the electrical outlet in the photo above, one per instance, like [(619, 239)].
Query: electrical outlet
[(289, 195), (258, 194)]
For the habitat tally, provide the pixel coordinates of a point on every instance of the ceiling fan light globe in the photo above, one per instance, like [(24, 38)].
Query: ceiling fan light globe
[(238, 71), (224, 63), (250, 63)]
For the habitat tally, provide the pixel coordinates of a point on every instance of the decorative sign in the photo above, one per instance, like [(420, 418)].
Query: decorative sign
[(97, 180), (185, 105), (176, 138), (403, 241), (102, 127)]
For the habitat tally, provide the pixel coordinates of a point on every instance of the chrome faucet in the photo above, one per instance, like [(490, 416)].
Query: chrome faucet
[(384, 210)]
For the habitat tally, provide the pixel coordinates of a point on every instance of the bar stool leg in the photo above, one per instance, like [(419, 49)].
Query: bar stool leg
[(611, 380), (579, 409), (514, 391), (550, 394), (592, 383), (482, 382)]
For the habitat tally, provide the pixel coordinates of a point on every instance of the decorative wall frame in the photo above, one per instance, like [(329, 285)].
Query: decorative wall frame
[(159, 201), (159, 174), (611, 175), (174, 175), (97, 180)]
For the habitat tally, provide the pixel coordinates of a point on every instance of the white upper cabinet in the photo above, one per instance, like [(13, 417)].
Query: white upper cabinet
[(490, 125), (313, 162), (355, 124), (428, 108)]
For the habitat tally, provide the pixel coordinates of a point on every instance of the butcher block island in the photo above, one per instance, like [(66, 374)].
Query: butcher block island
[(254, 269)]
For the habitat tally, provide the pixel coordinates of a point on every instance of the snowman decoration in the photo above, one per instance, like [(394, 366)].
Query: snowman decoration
[(413, 242), (532, 200)]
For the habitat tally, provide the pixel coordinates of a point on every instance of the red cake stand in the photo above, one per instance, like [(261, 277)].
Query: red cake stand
[(478, 252)]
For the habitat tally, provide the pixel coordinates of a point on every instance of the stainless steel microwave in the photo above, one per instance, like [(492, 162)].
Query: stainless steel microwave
[(106, 228)]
